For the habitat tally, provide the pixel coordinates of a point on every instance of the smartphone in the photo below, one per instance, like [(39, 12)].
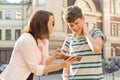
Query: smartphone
[(78, 57), (66, 57)]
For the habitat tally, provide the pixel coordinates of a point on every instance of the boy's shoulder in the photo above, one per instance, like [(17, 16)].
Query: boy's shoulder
[(70, 35), (94, 30)]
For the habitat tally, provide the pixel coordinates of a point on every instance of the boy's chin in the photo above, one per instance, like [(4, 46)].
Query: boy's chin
[(78, 34)]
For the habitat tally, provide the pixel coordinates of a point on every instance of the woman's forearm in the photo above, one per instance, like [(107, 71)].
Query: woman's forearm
[(57, 54), (50, 60), (51, 68)]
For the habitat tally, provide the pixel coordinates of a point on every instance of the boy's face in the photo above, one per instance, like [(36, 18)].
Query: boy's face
[(77, 26)]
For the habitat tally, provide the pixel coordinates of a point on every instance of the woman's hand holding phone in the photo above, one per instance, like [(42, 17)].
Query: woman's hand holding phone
[(78, 58)]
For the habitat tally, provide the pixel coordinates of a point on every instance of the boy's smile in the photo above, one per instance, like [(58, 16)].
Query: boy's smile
[(77, 26)]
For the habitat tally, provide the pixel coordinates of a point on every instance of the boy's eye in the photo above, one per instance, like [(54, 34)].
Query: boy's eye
[(71, 25), (77, 23)]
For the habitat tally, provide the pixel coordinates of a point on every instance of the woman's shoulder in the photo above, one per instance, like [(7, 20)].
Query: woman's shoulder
[(26, 35), (26, 38)]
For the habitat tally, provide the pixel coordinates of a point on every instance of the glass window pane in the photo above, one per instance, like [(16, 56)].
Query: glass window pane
[(41, 2), (112, 6), (84, 5), (0, 14), (18, 15), (0, 34), (119, 30), (8, 15), (118, 6), (8, 34), (113, 29), (91, 27), (17, 33)]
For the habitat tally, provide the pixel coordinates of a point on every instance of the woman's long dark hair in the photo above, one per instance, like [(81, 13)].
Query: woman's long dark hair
[(37, 24)]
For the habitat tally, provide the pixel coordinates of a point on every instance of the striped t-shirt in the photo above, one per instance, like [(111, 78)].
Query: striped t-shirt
[(90, 66)]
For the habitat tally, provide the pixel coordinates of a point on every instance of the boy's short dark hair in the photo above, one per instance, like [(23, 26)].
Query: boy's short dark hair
[(72, 13)]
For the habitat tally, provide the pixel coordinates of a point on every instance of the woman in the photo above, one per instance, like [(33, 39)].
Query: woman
[(30, 53)]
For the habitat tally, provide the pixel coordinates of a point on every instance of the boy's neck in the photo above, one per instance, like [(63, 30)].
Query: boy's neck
[(78, 35)]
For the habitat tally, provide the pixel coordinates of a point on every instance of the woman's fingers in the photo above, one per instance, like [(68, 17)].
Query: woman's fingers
[(59, 53), (70, 61)]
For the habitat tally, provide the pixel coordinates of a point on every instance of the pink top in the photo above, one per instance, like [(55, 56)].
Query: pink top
[(26, 57), (43, 46)]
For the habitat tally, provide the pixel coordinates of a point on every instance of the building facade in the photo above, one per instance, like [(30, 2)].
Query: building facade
[(12, 21)]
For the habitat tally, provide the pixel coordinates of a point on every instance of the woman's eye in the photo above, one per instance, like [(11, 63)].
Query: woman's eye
[(53, 24)]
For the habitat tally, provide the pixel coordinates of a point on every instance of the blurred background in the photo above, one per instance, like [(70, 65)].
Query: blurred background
[(102, 14)]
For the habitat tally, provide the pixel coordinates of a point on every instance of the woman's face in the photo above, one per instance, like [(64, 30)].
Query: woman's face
[(51, 24), (77, 26)]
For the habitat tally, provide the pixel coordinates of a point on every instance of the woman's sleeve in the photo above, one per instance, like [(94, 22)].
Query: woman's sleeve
[(28, 49), (4, 73)]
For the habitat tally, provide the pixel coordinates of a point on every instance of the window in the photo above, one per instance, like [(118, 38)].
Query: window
[(0, 14), (118, 6), (118, 29), (18, 15), (41, 2), (8, 34), (0, 34), (63, 3), (113, 29), (91, 26), (113, 6), (84, 5), (17, 33), (8, 15), (113, 51)]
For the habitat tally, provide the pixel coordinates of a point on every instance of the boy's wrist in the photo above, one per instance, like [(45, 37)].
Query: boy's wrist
[(65, 76)]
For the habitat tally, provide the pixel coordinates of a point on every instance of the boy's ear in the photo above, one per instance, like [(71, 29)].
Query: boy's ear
[(83, 17)]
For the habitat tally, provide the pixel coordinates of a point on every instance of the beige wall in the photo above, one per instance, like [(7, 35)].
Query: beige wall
[(106, 27), (11, 24)]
